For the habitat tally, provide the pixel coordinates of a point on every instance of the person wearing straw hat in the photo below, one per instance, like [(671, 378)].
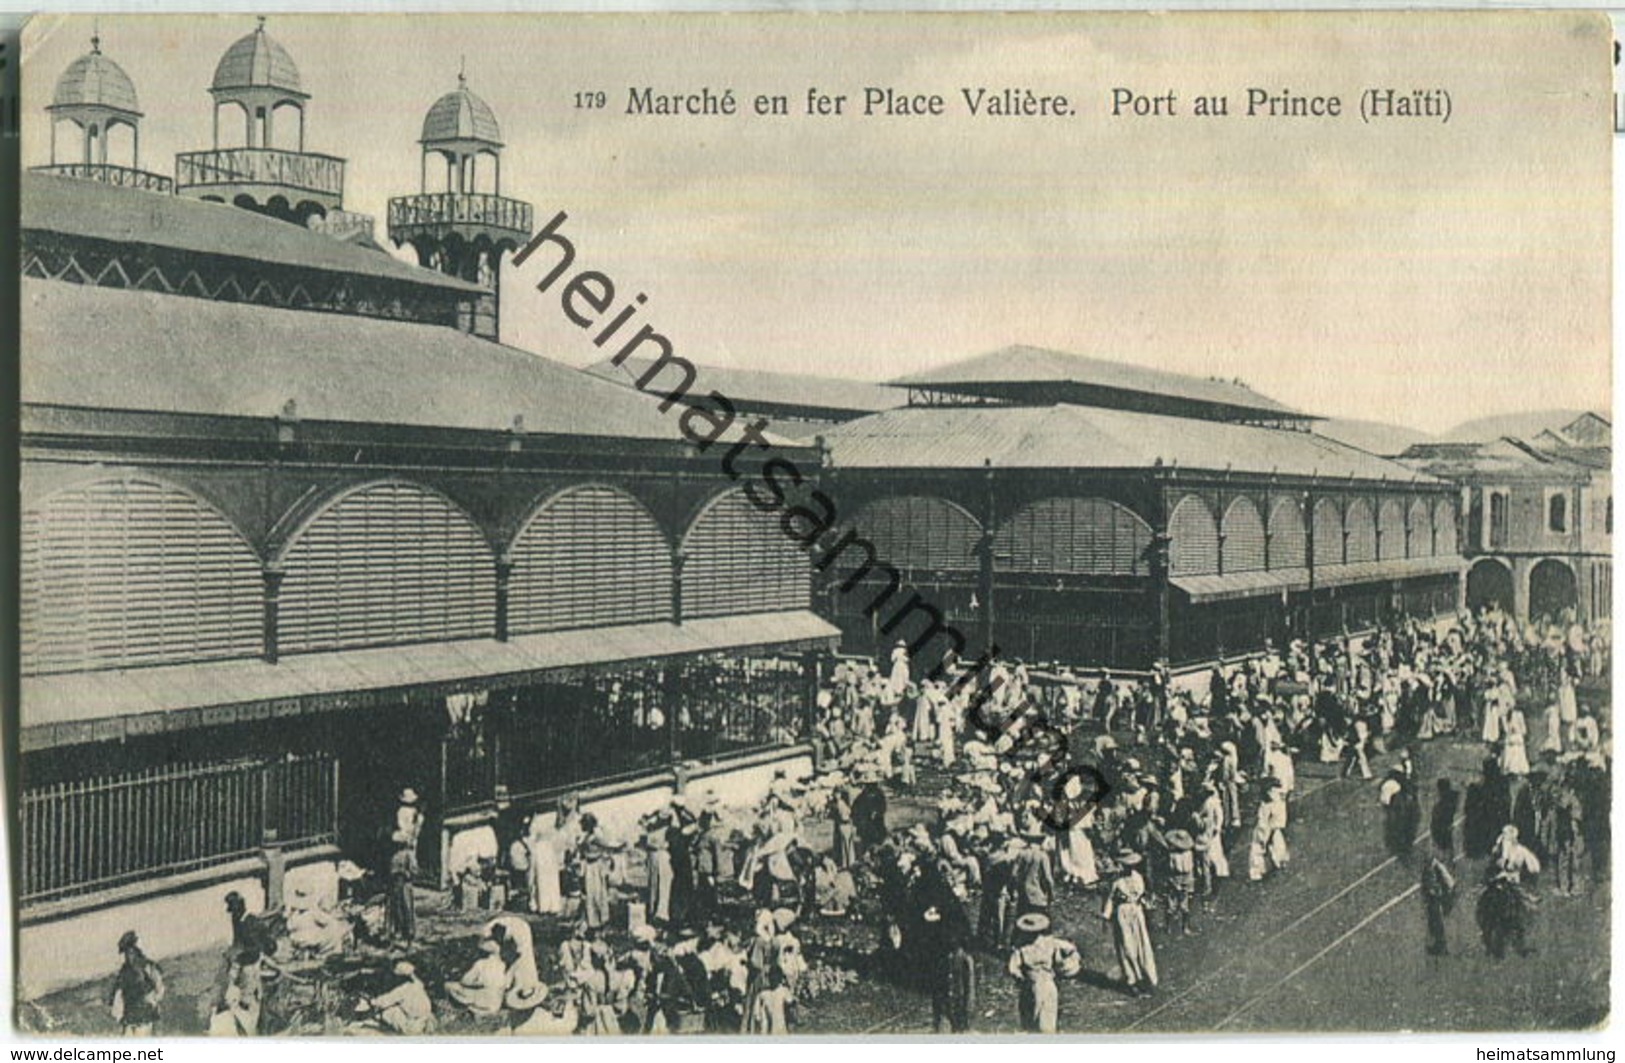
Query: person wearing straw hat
[(710, 856), (1032, 875), (1181, 883), (656, 845), (404, 1009), (401, 906), (481, 988), (1125, 911), (1212, 862), (944, 942), (1037, 960)]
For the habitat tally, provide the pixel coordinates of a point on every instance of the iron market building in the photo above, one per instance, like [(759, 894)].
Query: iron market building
[(299, 531)]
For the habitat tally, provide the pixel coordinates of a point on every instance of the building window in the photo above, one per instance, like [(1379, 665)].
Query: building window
[(1608, 516), (1557, 513), (1498, 520)]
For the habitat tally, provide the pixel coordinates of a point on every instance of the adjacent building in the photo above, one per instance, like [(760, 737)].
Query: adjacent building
[(1539, 516)]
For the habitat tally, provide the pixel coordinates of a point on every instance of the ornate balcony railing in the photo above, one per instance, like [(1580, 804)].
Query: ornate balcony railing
[(107, 173), (302, 171), (459, 208)]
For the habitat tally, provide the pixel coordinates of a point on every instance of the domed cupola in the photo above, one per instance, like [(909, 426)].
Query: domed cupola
[(98, 97), (267, 173), (465, 226)]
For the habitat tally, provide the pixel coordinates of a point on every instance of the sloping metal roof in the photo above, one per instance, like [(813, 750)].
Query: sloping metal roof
[(94, 80), (1091, 437), (461, 115), (256, 61), (1001, 371), (1500, 460), (117, 349), (95, 210), (1375, 437), (752, 388), (76, 707)]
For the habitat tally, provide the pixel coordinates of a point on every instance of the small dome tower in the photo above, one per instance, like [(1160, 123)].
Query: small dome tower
[(97, 96), (459, 229), (257, 76)]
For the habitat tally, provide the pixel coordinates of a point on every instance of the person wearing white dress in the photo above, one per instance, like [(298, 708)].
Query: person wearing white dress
[(898, 681), (1078, 851), (546, 846), (1514, 751)]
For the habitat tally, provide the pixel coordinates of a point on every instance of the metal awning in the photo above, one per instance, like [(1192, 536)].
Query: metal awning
[(1394, 568), (100, 706), (1233, 585)]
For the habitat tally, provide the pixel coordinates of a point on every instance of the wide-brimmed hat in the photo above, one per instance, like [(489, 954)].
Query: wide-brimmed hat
[(645, 935), (1033, 923), (405, 969), (529, 996), (783, 918), (1129, 859), (409, 796), (1180, 841)]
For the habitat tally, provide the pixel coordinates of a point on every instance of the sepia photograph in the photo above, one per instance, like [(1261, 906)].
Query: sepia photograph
[(814, 525)]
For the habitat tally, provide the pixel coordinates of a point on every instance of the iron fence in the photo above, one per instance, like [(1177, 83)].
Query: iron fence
[(93, 834)]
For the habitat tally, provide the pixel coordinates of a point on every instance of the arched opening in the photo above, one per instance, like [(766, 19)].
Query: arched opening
[(1287, 540), (1553, 591), (1328, 524), (1195, 547), (1243, 537), (1489, 583), (589, 556)]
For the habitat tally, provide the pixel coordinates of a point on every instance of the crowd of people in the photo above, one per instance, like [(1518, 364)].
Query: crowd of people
[(925, 824)]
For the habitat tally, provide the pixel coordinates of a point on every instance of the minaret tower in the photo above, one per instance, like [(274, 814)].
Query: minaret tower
[(97, 96), (464, 226), (269, 172)]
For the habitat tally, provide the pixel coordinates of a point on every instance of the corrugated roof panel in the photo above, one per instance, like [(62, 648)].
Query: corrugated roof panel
[(750, 386), (103, 212), (108, 348), (1089, 437), (1021, 364)]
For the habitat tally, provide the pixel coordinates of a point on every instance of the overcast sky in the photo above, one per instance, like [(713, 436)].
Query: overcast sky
[(1408, 271)]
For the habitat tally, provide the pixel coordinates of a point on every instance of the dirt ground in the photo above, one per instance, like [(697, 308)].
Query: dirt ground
[(1333, 944)]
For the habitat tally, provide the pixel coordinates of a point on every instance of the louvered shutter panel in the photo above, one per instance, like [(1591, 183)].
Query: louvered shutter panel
[(1362, 531), (1328, 534), (1288, 545), (920, 533), (1444, 528), (1073, 536), (1420, 534), (391, 563), (1195, 547), (590, 557), (1391, 526), (740, 561), (129, 572), (1243, 537)]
